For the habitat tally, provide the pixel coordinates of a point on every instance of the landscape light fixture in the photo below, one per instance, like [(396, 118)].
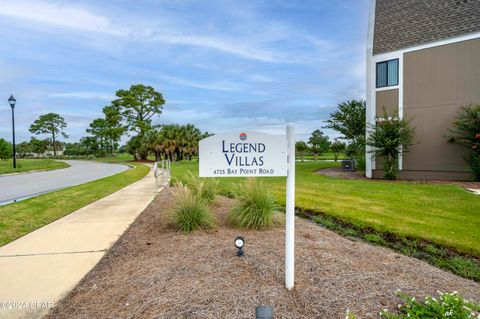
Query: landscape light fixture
[(264, 312), (239, 243), (12, 102)]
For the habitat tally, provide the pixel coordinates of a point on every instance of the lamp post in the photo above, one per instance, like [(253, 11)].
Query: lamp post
[(12, 102)]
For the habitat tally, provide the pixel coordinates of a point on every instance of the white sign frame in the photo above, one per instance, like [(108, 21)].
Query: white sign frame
[(243, 154), (208, 150)]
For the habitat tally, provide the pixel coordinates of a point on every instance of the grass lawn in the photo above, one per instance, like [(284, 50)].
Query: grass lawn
[(443, 214), (155, 271), (21, 218), (26, 165), (117, 158)]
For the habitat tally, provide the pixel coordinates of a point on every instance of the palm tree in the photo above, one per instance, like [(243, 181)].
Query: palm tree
[(153, 140), (192, 136), (173, 141), (170, 141)]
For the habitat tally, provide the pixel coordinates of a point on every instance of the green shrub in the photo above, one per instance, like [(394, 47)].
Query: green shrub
[(473, 160), (191, 212), (5, 149), (446, 305), (390, 136), (256, 207), (203, 188), (466, 133)]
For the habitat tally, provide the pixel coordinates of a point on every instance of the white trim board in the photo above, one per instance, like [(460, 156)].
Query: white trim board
[(452, 40)]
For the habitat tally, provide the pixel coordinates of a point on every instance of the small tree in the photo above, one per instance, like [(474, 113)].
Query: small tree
[(74, 149), (98, 128), (390, 136), (466, 132), (350, 121), (5, 149), (319, 143), (23, 149), (50, 123), (38, 146), (138, 105), (301, 147), (89, 145), (107, 131), (337, 147), (114, 127), (136, 148)]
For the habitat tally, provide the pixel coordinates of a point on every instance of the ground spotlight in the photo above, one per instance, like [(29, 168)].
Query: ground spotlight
[(264, 312), (239, 243)]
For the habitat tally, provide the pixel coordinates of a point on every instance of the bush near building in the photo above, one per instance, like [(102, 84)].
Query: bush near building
[(466, 133)]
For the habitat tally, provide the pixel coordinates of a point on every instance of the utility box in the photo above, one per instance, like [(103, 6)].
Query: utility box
[(348, 165)]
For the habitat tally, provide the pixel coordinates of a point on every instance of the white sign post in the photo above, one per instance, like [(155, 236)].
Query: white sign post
[(253, 154), (290, 211)]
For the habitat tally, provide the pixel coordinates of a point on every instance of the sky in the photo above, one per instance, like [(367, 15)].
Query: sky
[(222, 65)]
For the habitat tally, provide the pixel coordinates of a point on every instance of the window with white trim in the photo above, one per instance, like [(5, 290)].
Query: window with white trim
[(387, 73)]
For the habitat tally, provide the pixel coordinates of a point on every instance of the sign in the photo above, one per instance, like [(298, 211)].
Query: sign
[(257, 154), (245, 154)]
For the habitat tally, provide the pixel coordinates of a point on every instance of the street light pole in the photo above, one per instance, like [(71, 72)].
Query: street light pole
[(12, 102)]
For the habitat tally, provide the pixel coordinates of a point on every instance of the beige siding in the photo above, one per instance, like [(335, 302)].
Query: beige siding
[(437, 82), (386, 99)]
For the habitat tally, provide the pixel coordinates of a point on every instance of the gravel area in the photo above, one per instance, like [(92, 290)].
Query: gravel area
[(156, 272)]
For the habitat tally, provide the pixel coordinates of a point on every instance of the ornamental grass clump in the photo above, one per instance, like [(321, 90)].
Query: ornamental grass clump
[(256, 208), (191, 212), (203, 188)]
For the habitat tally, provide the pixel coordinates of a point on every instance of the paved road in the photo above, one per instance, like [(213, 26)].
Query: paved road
[(41, 267), (21, 186)]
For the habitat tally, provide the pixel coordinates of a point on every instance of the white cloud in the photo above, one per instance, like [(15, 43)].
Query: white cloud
[(83, 95), (225, 86), (223, 45), (59, 15), (79, 18), (262, 78)]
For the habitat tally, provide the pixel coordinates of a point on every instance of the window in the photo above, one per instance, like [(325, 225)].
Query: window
[(387, 73)]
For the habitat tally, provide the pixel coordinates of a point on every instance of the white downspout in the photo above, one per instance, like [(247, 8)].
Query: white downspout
[(370, 87)]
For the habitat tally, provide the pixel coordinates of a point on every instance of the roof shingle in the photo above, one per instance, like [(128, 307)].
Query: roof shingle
[(405, 23)]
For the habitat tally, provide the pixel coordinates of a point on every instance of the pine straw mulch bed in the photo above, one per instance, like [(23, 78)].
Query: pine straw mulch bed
[(339, 173), (155, 272)]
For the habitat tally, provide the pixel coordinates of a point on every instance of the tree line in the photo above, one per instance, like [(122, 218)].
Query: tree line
[(132, 112), (349, 121), (318, 144), (173, 141)]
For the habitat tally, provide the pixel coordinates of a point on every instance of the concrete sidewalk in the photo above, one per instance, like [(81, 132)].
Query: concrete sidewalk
[(40, 268)]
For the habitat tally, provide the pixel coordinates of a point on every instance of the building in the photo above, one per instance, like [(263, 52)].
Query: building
[(423, 59)]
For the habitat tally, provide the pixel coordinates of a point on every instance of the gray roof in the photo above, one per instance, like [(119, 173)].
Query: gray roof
[(405, 23)]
